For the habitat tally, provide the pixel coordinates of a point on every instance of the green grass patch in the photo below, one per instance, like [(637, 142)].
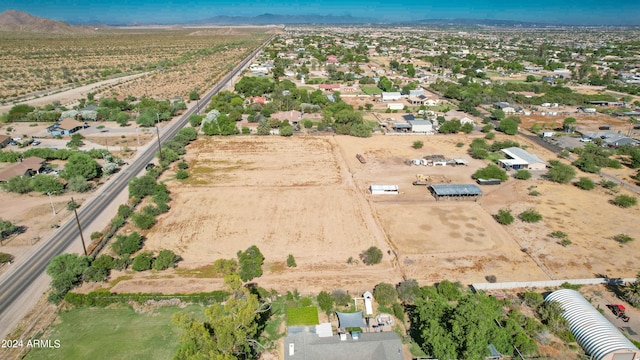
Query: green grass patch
[(115, 333), (307, 315), (371, 90), (203, 272)]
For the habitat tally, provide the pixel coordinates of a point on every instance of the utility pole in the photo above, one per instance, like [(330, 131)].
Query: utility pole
[(51, 201), (158, 133), (84, 247)]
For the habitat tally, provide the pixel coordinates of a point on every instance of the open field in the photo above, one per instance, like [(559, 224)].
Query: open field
[(176, 60), (308, 196), (114, 333)]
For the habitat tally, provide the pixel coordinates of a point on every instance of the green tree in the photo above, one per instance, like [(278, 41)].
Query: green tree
[(76, 141), (569, 124), (228, 332), (408, 290), (491, 171), (6, 228), (371, 256), (325, 302), (385, 294), (561, 173), (165, 259), (81, 164), (508, 126), (418, 144), (142, 186), (450, 127), (18, 184), (143, 220), (250, 262), (286, 131), (142, 261), (65, 271), (47, 184), (78, 183), (193, 95)]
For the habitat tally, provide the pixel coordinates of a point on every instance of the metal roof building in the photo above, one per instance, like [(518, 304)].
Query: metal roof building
[(597, 336), (455, 191), (519, 158)]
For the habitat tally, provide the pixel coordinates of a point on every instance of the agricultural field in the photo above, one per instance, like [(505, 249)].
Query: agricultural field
[(174, 61)]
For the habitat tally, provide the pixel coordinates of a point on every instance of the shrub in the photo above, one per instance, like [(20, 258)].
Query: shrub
[(183, 165), (418, 144), (530, 216), (95, 274), (504, 217), (225, 266), (143, 261), (408, 290), (565, 242), (117, 221), (491, 172), (460, 144), (166, 259), (371, 256), (341, 298), (491, 279), (127, 245), (561, 173), (624, 201), (291, 261), (96, 235), (104, 261), (608, 184), (143, 221), (585, 183), (181, 174), (124, 211), (490, 136), (558, 234), (385, 294), (5, 258), (533, 299), (623, 238), (523, 174)]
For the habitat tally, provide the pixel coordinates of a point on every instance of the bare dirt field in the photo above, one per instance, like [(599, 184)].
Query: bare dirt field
[(308, 196)]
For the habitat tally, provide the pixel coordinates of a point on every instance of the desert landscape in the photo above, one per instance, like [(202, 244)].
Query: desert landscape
[(309, 196)]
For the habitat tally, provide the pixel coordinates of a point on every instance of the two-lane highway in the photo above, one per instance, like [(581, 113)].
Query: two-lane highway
[(16, 281)]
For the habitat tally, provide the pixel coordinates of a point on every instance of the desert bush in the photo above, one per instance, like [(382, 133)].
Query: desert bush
[(385, 294), (585, 183), (608, 184), (181, 174), (127, 244), (558, 234), (143, 221), (523, 174), (504, 217), (530, 216), (371, 256), (165, 259), (291, 261), (622, 238), (418, 144), (624, 201), (143, 261)]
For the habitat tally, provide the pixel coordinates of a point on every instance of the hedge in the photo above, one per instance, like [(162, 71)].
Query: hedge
[(104, 299)]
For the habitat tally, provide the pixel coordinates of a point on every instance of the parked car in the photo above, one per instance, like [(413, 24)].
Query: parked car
[(36, 143)]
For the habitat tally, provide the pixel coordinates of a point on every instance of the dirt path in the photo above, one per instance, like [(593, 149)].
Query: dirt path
[(69, 97)]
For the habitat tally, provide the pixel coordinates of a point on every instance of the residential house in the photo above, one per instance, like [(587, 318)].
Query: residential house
[(66, 126), (329, 87), (611, 139), (25, 167), (293, 116), (518, 158), (505, 106)]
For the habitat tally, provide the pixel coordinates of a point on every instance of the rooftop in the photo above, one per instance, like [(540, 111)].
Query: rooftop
[(369, 346), (456, 189), (521, 154)]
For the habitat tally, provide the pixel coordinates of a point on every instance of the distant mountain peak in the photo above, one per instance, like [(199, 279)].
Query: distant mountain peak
[(18, 21)]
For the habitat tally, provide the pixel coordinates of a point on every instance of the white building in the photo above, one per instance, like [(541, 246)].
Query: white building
[(395, 106), (421, 126), (520, 159), (391, 96)]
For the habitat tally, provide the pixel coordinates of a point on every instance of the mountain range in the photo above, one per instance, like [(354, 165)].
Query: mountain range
[(12, 20)]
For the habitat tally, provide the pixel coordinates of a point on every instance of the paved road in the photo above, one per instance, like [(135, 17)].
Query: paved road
[(16, 283)]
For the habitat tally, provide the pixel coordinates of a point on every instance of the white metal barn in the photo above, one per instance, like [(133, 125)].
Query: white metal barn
[(421, 126), (597, 336), (384, 190), (395, 106), (391, 96)]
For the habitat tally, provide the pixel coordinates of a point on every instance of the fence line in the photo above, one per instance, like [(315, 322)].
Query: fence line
[(549, 283)]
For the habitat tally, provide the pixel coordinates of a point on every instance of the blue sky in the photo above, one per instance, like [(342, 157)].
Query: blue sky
[(572, 12)]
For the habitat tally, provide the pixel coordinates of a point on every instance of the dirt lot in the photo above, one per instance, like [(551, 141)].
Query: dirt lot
[(308, 196)]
